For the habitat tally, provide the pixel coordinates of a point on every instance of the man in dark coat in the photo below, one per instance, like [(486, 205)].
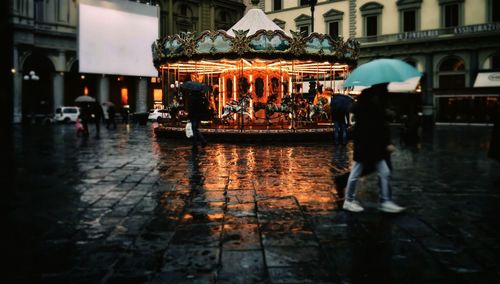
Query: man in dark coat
[(339, 109), (197, 108), (372, 147)]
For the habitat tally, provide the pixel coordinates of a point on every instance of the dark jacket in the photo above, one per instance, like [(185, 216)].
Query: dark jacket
[(197, 106), (340, 106), (371, 131)]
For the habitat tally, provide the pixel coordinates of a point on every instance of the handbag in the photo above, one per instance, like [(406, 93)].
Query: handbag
[(189, 130)]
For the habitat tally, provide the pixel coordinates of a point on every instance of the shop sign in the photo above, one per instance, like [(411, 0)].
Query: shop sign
[(487, 79)]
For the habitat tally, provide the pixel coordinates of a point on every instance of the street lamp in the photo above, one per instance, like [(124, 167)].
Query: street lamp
[(30, 78), (312, 4)]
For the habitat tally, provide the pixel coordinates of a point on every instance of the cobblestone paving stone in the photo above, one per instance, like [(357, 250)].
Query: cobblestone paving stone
[(128, 208)]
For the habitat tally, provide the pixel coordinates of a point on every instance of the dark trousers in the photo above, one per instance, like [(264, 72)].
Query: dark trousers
[(197, 136)]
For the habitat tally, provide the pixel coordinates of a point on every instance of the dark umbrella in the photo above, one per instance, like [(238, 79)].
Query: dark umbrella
[(341, 103), (194, 86)]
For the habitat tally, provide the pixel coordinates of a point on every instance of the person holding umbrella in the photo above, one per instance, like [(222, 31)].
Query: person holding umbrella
[(197, 108), (372, 149), (372, 138)]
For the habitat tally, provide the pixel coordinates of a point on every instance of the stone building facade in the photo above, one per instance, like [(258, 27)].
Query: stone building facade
[(455, 43), (45, 62)]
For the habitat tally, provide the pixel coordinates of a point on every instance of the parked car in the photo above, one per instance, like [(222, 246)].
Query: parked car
[(67, 114), (158, 115)]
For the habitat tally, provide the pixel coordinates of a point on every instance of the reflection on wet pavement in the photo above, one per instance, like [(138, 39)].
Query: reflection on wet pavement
[(131, 208)]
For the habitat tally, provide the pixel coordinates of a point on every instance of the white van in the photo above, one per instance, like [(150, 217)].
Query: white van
[(67, 114)]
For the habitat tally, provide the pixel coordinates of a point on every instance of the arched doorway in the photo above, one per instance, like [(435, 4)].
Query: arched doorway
[(452, 73), (37, 101), (78, 84)]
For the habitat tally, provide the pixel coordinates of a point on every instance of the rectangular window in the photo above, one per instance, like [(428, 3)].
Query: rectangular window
[(409, 21), (39, 11), (62, 10), (277, 5), (304, 30), (451, 15), (333, 29), (495, 10), (371, 26)]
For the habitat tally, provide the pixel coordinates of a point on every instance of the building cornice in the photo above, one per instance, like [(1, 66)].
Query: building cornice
[(304, 7)]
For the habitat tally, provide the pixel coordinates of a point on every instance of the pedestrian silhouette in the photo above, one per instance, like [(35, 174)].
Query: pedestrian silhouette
[(372, 148)]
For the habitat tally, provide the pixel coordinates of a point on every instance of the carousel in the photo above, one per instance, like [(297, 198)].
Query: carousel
[(261, 81)]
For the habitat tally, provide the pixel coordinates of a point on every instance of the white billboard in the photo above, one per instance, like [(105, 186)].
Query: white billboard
[(115, 37)]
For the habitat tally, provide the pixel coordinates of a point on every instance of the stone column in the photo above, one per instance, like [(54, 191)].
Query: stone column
[(57, 90), (473, 68), (428, 96), (352, 18), (58, 81), (141, 96), (103, 89), (18, 90)]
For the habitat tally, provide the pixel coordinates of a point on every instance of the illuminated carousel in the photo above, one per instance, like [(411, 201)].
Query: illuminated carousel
[(263, 82)]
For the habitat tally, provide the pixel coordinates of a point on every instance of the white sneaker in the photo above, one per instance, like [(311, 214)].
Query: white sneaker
[(390, 207), (352, 206)]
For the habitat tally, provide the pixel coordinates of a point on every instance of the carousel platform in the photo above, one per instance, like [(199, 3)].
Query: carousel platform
[(252, 133)]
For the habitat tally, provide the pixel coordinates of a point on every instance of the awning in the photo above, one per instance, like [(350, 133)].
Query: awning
[(487, 79), (408, 86)]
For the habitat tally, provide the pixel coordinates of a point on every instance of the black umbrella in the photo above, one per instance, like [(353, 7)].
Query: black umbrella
[(194, 86), (341, 103)]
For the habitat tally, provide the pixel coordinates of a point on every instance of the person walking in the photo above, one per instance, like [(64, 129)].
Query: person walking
[(197, 108), (98, 116), (111, 111), (85, 116), (339, 109), (372, 148)]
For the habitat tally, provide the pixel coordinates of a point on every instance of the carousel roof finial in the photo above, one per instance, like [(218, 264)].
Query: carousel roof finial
[(255, 19), (255, 3)]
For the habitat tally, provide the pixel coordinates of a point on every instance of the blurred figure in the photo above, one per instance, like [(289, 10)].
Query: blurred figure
[(125, 111), (339, 109), (98, 115), (372, 148), (79, 127), (85, 116), (197, 107), (111, 111)]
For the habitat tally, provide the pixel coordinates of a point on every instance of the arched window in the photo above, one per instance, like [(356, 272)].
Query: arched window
[(452, 73), (492, 62)]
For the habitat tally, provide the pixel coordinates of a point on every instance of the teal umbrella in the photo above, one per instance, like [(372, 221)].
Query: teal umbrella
[(381, 71)]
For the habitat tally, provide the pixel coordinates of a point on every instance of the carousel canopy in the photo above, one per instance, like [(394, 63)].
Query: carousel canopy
[(254, 20), (254, 42), (264, 44)]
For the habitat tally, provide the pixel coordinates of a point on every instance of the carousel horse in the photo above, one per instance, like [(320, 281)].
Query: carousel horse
[(319, 111), (236, 107), (271, 107)]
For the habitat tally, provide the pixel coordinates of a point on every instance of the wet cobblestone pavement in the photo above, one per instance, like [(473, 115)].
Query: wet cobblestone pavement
[(128, 208)]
